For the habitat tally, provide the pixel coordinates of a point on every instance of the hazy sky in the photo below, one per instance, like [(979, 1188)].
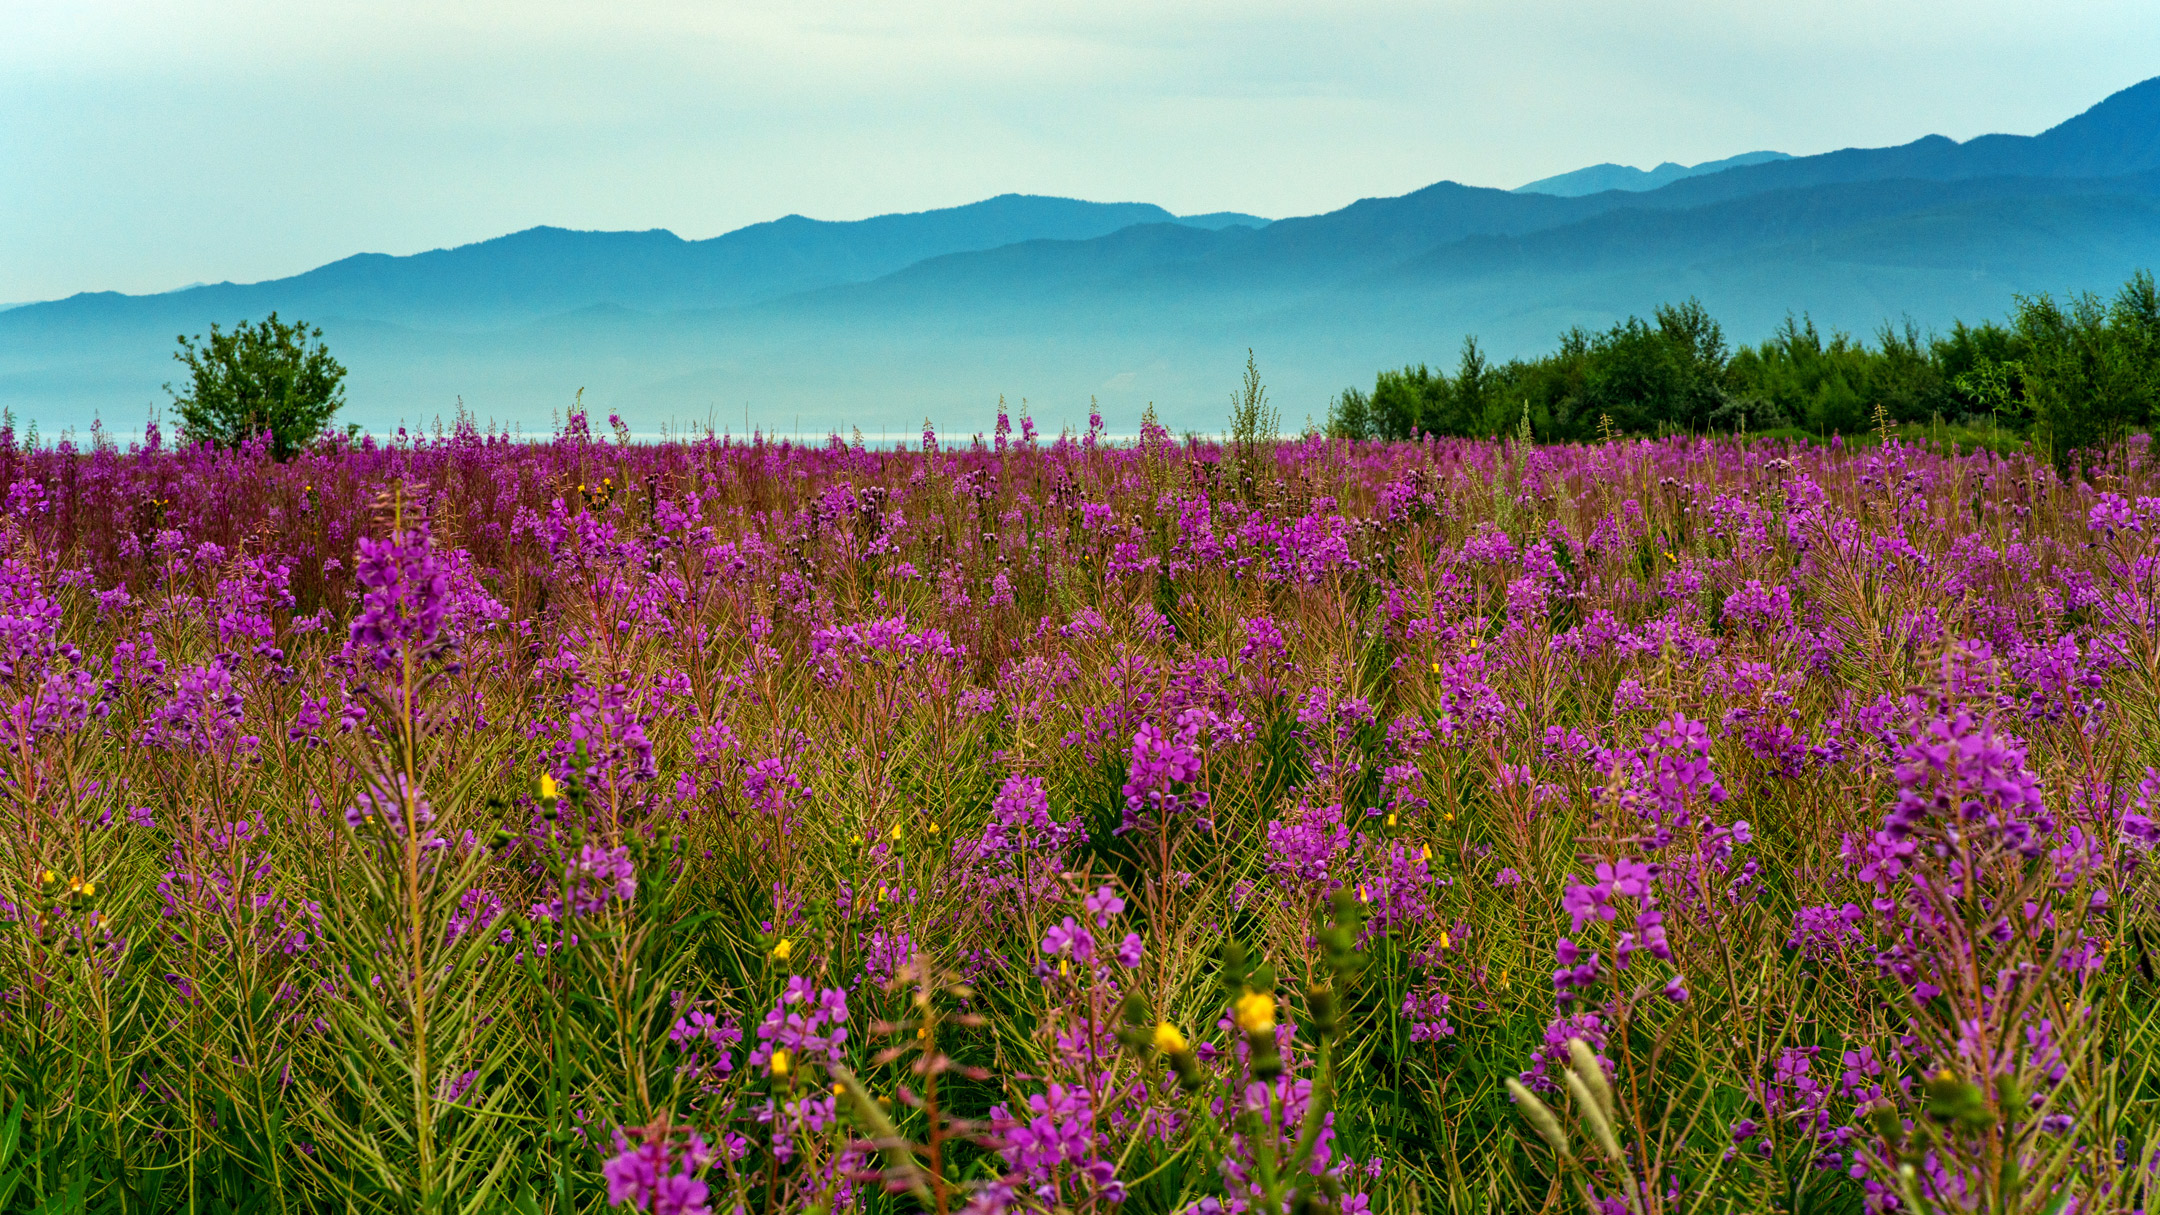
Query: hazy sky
[(146, 144)]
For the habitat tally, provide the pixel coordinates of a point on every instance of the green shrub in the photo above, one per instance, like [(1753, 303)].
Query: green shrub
[(266, 377)]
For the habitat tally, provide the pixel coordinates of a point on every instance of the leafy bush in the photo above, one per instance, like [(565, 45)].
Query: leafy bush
[(263, 378)]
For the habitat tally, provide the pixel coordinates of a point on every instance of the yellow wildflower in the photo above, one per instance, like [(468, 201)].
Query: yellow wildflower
[(1064, 967), (896, 832), (1391, 819), (548, 791), (1445, 939), (1169, 1040), (1428, 852), (1255, 1012), (781, 951), (780, 1063)]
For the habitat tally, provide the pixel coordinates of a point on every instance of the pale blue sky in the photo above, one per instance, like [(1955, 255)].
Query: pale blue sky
[(145, 144)]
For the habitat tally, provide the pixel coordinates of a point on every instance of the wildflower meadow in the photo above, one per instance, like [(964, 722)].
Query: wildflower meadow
[(1018, 824)]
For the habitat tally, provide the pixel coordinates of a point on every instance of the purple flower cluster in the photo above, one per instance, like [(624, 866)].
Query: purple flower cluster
[(594, 877), (657, 1173), (1162, 770), (807, 1022), (404, 595), (1052, 1151)]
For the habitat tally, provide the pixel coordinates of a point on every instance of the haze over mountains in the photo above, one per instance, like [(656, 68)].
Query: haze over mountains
[(809, 325)]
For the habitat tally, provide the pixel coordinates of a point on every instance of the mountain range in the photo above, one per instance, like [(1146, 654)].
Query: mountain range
[(803, 325), (1599, 178)]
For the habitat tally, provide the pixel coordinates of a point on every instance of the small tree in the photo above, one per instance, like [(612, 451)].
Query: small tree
[(262, 377)]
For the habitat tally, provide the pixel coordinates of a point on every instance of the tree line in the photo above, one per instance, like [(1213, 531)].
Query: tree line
[(2070, 375)]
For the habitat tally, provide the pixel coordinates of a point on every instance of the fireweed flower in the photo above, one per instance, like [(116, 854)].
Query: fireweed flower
[(806, 1029), (1052, 1147), (658, 1174), (205, 713), (1161, 770), (593, 879), (405, 592), (699, 1031), (382, 809), (1130, 950), (1069, 939), (1970, 833), (808, 1024), (1102, 905), (1427, 1013)]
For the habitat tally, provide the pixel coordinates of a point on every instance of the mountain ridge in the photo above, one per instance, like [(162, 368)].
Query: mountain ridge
[(1062, 299), (1598, 178), (546, 268)]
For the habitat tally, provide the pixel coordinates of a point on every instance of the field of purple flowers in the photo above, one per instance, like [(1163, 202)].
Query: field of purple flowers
[(1313, 828)]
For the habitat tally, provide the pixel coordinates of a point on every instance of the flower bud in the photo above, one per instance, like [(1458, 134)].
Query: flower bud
[(1586, 1065), (1190, 1075), (1326, 1010), (1540, 1117)]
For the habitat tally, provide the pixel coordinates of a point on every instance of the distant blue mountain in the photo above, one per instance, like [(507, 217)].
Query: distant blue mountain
[(1599, 178), (543, 271), (2119, 136), (878, 322), (1224, 219)]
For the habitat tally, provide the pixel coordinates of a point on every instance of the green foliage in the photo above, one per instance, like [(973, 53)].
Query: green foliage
[(269, 377), (2090, 370), (1419, 400), (2075, 375), (1253, 422), (1255, 425)]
